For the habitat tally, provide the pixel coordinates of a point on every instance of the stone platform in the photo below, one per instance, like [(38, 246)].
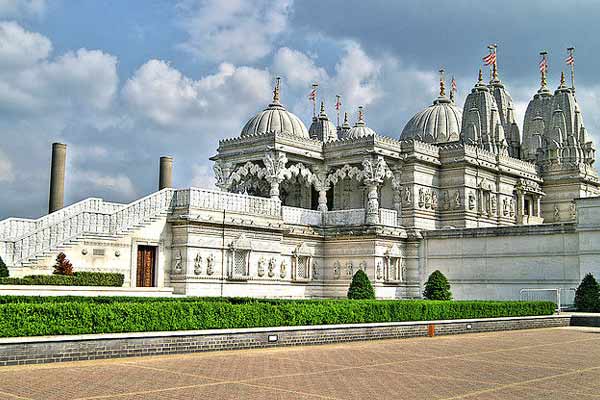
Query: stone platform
[(556, 363)]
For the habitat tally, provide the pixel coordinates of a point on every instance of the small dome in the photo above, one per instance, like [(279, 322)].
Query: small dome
[(438, 123), (359, 129), (275, 119), (322, 128)]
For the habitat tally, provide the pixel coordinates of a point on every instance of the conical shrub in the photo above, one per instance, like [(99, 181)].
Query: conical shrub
[(587, 295), (437, 287), (3, 269), (360, 287)]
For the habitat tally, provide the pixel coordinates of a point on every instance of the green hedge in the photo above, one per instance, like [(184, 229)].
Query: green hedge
[(78, 279), (78, 316)]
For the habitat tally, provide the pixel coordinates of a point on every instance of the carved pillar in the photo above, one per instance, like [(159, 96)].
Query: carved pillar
[(520, 206), (322, 199), (538, 207), (275, 171), (372, 215), (274, 192)]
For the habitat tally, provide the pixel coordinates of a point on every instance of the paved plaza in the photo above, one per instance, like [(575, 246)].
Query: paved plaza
[(558, 363)]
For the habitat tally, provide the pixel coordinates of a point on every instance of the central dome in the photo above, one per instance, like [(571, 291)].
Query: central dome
[(438, 123), (275, 119)]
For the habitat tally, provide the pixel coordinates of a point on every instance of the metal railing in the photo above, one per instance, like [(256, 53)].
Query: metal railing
[(564, 298)]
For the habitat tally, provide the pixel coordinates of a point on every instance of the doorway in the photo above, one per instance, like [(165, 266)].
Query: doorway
[(146, 266)]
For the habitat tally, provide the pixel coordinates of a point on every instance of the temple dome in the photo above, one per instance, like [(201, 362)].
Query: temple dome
[(360, 128), (275, 119), (438, 123)]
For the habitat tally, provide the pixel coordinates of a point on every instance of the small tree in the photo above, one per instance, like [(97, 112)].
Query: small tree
[(437, 287), (3, 269), (587, 295), (62, 266), (360, 287)]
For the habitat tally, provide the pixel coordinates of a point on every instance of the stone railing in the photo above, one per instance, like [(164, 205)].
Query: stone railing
[(12, 228), (106, 220), (345, 217), (388, 217), (301, 216), (233, 202)]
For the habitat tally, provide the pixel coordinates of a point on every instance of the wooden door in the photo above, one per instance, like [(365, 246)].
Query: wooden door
[(146, 264)]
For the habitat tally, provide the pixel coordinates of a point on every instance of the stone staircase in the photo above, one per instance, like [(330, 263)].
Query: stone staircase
[(33, 240)]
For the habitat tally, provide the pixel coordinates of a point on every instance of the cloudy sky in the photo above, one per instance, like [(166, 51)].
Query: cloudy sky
[(124, 82)]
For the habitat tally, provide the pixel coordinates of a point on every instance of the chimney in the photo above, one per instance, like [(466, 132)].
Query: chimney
[(57, 177), (165, 176)]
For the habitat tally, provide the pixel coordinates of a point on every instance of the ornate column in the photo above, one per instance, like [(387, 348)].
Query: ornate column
[(274, 171), (372, 214), (373, 173), (222, 172), (321, 186), (538, 207)]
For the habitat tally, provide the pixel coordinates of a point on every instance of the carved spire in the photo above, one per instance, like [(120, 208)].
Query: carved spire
[(276, 90), (361, 117)]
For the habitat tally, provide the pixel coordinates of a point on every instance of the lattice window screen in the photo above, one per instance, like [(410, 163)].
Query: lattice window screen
[(302, 269), (239, 262)]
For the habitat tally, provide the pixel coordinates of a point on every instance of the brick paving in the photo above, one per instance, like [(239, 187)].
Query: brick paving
[(555, 363)]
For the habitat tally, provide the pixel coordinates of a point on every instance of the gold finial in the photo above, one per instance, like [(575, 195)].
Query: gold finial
[(322, 107), (442, 84), (345, 118), (360, 114), (562, 78), (480, 78), (276, 90)]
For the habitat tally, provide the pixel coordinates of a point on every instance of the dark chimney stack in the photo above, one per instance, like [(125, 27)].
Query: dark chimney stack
[(57, 177), (165, 176)]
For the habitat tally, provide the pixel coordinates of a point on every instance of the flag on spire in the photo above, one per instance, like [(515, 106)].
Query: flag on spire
[(490, 59), (570, 60), (454, 88), (312, 96), (338, 102), (543, 64)]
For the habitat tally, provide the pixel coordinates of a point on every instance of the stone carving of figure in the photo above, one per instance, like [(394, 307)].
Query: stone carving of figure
[(407, 196), (363, 266), (261, 267), (282, 269), (315, 270), (505, 207), (379, 270), (210, 265), (556, 213), (421, 197), (512, 207), (494, 205), (178, 260), (403, 270), (198, 264), (272, 263), (434, 200), (337, 270), (428, 200), (445, 200), (573, 210), (349, 269), (471, 201), (457, 202)]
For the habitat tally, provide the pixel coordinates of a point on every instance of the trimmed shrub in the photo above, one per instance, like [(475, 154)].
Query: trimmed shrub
[(77, 279), (437, 287), (49, 316), (360, 287), (63, 266), (3, 269), (587, 295)]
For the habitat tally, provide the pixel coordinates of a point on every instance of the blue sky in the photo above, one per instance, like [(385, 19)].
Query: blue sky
[(124, 82)]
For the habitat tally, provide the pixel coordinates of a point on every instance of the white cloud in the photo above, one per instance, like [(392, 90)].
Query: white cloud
[(22, 8), (93, 181), (298, 69), (162, 94), (234, 30), (6, 168), (203, 177), (20, 48)]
